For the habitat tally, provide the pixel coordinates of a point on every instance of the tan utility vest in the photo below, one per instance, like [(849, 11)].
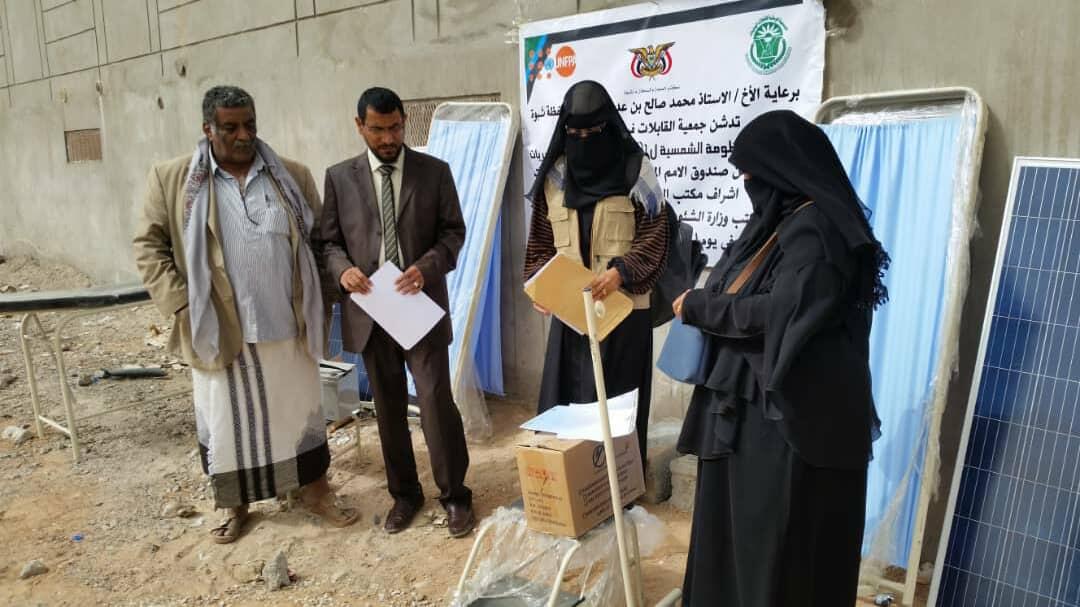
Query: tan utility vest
[(613, 229)]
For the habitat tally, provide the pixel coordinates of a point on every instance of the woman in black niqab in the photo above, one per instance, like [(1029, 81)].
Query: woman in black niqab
[(783, 424), (593, 161), (601, 164), (793, 160)]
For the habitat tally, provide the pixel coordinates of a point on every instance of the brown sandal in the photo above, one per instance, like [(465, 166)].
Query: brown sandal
[(327, 509), (229, 530)]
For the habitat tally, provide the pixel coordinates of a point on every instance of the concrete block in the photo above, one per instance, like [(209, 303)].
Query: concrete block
[(78, 96), (328, 6), (71, 54), (155, 26), (426, 20), (660, 453), (24, 43), (99, 32), (191, 23), (34, 97), (304, 8), (3, 58), (463, 20), (5, 65), (68, 19), (127, 29), (359, 36), (249, 56), (683, 482), (168, 5)]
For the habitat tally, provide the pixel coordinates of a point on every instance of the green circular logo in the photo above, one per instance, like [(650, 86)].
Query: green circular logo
[(769, 50)]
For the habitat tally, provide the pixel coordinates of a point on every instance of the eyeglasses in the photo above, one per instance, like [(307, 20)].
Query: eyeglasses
[(586, 132), (393, 130)]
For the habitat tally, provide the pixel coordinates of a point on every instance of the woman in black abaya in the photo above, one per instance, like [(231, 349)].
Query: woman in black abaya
[(596, 199), (783, 424)]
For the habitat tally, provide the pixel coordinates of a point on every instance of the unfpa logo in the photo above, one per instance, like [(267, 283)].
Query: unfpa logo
[(651, 61), (566, 61), (544, 63)]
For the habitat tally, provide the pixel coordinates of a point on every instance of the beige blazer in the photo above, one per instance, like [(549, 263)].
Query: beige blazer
[(159, 255)]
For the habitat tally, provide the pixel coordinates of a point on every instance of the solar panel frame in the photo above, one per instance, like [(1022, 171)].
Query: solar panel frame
[(1012, 571)]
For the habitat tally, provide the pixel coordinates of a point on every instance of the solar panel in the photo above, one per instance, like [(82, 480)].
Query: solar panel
[(1013, 526)]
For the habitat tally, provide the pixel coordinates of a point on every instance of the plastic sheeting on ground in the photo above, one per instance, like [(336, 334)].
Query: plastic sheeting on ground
[(522, 566)]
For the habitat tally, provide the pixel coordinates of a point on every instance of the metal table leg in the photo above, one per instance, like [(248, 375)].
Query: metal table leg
[(61, 370), (31, 377)]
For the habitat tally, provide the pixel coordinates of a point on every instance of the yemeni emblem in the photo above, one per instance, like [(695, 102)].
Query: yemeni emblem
[(651, 61), (769, 49)]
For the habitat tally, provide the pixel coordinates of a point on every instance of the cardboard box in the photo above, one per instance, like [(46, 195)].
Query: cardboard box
[(564, 483)]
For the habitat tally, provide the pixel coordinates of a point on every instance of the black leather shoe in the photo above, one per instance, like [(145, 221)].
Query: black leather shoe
[(401, 514), (460, 519)]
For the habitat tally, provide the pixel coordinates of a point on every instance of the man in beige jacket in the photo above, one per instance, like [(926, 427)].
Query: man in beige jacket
[(224, 247)]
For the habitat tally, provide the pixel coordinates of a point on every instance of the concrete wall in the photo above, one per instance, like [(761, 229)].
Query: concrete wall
[(136, 69)]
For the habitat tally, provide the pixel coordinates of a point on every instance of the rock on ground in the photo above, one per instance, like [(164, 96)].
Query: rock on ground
[(33, 568), (17, 435), (276, 572)]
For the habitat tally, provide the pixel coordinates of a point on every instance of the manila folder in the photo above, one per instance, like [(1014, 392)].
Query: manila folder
[(559, 285)]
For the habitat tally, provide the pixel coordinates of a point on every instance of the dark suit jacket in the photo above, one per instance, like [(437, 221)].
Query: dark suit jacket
[(430, 233)]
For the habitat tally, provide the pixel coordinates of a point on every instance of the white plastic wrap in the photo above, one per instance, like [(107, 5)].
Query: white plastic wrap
[(905, 107), (524, 564), (477, 140), (470, 401)]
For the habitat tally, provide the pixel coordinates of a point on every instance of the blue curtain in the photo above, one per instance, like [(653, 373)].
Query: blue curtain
[(905, 173), (474, 150)]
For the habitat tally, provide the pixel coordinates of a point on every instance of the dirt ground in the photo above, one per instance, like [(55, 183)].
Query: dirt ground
[(99, 526)]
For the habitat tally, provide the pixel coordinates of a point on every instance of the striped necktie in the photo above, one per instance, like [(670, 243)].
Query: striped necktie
[(389, 217)]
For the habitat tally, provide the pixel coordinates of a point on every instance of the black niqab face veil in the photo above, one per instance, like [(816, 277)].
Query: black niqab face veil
[(791, 160), (605, 163)]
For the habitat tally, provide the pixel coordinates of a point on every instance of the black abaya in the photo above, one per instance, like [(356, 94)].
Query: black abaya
[(783, 424), (602, 164), (770, 530), (627, 358)]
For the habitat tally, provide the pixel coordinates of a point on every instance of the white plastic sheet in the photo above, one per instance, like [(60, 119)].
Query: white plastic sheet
[(524, 564), (914, 158), (476, 140)]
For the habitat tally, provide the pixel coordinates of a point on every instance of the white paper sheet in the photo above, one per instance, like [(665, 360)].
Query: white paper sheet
[(582, 421), (407, 318)]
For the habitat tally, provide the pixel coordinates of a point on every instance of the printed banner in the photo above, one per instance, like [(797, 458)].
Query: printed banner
[(685, 76)]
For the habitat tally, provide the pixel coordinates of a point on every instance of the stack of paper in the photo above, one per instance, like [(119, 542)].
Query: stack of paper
[(407, 318), (558, 286), (582, 421)]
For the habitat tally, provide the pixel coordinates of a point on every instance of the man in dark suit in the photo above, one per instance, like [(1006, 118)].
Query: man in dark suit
[(394, 205)]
